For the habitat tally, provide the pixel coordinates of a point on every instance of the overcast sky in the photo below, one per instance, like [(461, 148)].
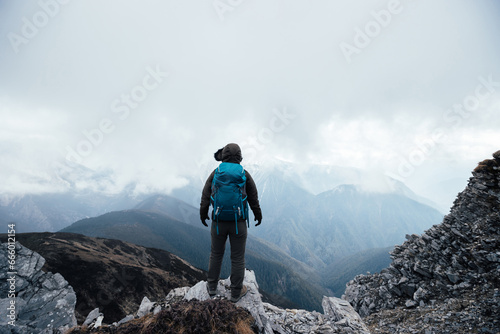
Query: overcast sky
[(149, 90)]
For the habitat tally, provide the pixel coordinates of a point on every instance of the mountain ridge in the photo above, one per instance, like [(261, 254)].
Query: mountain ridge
[(108, 273), (192, 243), (452, 268), (340, 222)]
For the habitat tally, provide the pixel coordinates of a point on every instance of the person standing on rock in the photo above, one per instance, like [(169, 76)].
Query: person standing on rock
[(229, 189)]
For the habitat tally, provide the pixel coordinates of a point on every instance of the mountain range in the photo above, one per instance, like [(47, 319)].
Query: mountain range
[(318, 229), (298, 250), (286, 273), (315, 218), (443, 280), (54, 211)]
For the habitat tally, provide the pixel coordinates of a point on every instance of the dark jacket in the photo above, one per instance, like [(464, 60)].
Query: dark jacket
[(230, 153)]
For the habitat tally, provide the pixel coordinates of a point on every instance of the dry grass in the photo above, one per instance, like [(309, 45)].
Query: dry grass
[(211, 316), (244, 327), (486, 166)]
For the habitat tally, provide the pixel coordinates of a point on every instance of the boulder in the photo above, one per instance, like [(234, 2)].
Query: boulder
[(342, 313), (145, 307), (92, 317)]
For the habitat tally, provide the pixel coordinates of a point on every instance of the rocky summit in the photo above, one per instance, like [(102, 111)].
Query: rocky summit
[(446, 280), (192, 310)]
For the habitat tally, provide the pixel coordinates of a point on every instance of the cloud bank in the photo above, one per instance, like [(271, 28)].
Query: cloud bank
[(147, 91)]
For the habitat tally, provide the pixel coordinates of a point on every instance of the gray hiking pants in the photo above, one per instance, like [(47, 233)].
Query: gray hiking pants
[(238, 243)]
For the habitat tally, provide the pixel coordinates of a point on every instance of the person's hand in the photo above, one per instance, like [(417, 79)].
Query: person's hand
[(203, 220), (257, 217)]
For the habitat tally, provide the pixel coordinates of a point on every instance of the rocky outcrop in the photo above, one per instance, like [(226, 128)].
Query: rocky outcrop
[(453, 263), (44, 302), (252, 301), (338, 316)]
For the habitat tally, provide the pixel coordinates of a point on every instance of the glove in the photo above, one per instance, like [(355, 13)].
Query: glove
[(258, 217), (204, 215), (259, 221), (203, 218)]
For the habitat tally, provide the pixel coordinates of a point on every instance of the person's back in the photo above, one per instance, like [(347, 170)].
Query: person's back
[(235, 229)]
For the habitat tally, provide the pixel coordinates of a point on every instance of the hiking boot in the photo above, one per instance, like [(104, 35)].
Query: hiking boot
[(243, 292), (211, 293)]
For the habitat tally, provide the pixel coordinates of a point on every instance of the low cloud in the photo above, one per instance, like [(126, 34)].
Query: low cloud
[(100, 95)]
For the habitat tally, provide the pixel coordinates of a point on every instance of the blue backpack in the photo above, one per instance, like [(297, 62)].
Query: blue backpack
[(229, 198)]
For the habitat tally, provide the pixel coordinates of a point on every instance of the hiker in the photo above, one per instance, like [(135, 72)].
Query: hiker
[(229, 216)]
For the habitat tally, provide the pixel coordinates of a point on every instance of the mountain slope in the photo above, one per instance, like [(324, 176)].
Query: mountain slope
[(300, 285), (320, 229), (147, 229), (338, 273), (172, 207), (451, 272), (110, 274), (285, 207), (366, 220)]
